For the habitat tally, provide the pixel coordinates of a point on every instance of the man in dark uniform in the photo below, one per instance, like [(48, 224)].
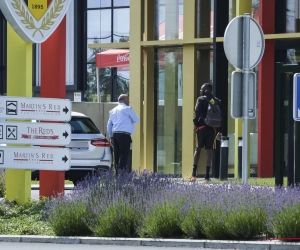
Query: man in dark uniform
[(205, 135)]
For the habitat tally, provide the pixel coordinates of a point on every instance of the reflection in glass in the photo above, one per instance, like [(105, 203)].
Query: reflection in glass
[(169, 19), (121, 2), (122, 80), (91, 93), (205, 65), (205, 17), (169, 110), (293, 56), (121, 25), (292, 16), (98, 29), (255, 10), (98, 3)]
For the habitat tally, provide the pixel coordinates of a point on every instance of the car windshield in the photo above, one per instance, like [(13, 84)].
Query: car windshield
[(82, 125)]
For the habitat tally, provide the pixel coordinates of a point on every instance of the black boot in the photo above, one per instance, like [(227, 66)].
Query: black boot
[(194, 173)]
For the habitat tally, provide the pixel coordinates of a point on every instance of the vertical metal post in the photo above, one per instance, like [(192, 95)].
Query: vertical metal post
[(246, 71), (240, 157), (224, 158), (98, 85)]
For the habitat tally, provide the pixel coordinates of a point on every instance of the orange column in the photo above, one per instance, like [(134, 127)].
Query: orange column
[(266, 79), (53, 85)]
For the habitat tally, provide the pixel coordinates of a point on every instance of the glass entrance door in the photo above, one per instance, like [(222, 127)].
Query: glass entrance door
[(286, 130)]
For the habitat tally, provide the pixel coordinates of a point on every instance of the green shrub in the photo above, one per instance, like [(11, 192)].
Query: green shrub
[(192, 223), (23, 220), (118, 220), (2, 183), (25, 225), (163, 220), (285, 222), (240, 223), (68, 218)]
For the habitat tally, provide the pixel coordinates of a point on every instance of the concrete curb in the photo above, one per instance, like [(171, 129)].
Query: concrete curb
[(217, 244)]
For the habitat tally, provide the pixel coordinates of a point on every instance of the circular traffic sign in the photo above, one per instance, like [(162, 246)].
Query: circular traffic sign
[(233, 42)]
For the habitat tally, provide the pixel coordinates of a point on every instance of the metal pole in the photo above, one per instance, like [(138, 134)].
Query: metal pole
[(240, 156), (98, 85), (224, 158), (246, 70)]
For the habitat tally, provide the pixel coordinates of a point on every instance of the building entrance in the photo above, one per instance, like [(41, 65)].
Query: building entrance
[(286, 130)]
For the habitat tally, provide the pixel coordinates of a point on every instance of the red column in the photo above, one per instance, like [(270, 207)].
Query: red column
[(53, 85), (266, 79)]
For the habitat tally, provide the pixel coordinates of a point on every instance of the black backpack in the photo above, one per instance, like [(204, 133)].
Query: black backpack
[(213, 117)]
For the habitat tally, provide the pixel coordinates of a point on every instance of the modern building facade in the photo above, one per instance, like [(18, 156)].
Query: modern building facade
[(175, 46)]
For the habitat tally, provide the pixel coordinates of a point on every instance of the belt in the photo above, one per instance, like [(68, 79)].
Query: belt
[(201, 127), (121, 132)]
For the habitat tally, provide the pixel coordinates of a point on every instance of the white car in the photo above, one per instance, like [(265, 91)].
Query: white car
[(90, 150)]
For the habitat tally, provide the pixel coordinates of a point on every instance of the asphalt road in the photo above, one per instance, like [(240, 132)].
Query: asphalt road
[(47, 246)]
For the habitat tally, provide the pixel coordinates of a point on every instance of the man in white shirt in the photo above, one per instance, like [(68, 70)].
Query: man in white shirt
[(120, 127)]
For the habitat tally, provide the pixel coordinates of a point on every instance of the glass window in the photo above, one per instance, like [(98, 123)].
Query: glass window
[(98, 3), (3, 51), (292, 16), (168, 82), (205, 65), (121, 3), (255, 10), (98, 29), (232, 9), (90, 94), (105, 83), (122, 80), (169, 19), (121, 25), (81, 125), (205, 17), (106, 25)]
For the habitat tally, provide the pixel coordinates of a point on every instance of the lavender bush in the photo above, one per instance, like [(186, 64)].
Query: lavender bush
[(235, 212), (120, 219), (284, 213), (160, 206), (163, 215), (67, 215)]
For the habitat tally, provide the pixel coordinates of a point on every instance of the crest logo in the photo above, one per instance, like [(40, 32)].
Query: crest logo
[(37, 24)]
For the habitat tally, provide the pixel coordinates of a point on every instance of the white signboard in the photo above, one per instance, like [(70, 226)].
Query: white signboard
[(35, 158), (35, 133), (33, 108), (77, 96)]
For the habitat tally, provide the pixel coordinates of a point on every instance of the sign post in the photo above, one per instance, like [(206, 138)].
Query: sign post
[(244, 54), (246, 69), (37, 30), (296, 97), (34, 133)]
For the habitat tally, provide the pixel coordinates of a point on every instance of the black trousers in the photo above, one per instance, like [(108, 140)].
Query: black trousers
[(121, 151)]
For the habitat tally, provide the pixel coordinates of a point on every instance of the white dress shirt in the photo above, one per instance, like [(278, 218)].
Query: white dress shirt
[(121, 118)]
